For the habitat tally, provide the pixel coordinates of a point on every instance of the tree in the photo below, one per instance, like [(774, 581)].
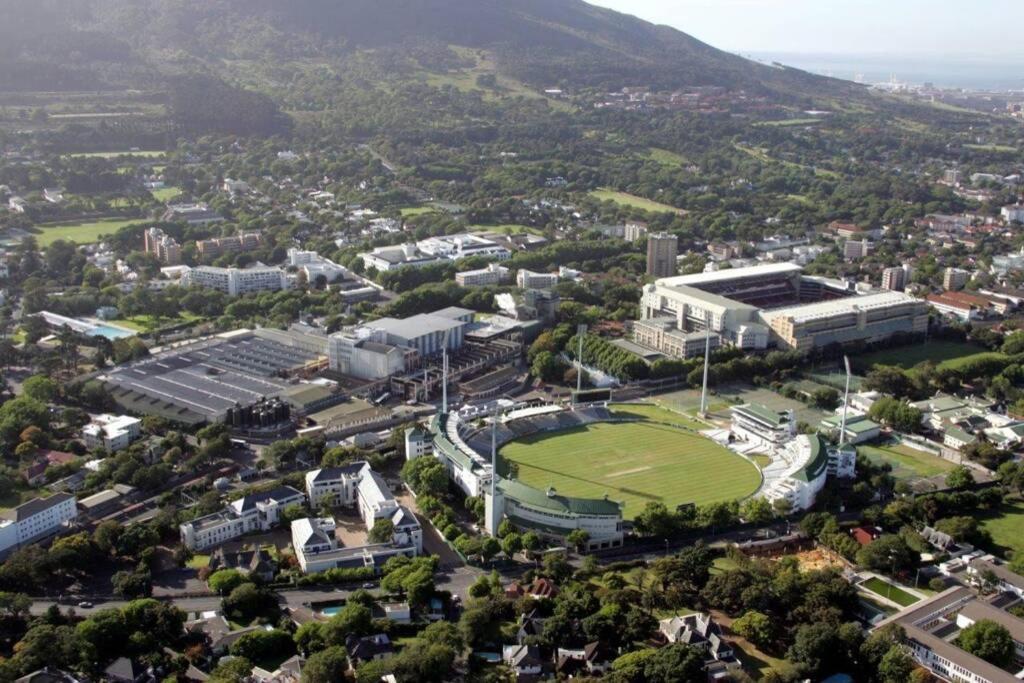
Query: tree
[(817, 648), (223, 581), (233, 670), (511, 543), (489, 548), (757, 511), (247, 601), (756, 627), (382, 531), (578, 539), (657, 521), (326, 666), (352, 620), (132, 584), (531, 541), (262, 645), (960, 478), (989, 640), (40, 388), (293, 512), (674, 664), (888, 553), (896, 665)]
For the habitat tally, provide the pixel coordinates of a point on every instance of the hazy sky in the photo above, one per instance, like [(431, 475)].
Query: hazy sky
[(978, 28)]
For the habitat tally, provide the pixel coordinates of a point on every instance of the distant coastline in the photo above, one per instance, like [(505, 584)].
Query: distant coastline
[(972, 74)]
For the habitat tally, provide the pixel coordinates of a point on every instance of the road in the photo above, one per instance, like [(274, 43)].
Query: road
[(456, 581)]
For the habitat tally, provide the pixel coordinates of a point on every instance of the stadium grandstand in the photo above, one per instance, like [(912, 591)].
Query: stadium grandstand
[(774, 305), (463, 442)]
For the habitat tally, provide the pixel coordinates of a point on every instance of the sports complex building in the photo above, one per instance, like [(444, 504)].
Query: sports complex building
[(770, 305)]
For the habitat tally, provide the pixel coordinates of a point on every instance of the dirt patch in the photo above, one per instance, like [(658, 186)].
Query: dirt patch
[(350, 532)]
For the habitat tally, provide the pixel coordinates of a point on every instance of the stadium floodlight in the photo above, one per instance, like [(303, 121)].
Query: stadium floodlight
[(444, 374), (707, 359), (494, 449), (846, 403), (580, 331)]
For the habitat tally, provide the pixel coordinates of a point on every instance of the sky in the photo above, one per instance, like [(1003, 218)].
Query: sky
[(976, 30)]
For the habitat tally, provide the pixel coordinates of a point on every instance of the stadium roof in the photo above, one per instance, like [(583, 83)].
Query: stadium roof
[(698, 279), (816, 463), (707, 299), (828, 309), (762, 413), (552, 502)]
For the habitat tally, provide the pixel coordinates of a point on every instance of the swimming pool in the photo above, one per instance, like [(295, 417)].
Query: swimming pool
[(110, 332), (330, 611)]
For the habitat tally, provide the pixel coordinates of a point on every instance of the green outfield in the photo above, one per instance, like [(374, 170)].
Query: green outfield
[(81, 232), (635, 462), (632, 201)]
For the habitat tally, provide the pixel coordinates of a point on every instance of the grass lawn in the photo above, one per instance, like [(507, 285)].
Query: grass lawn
[(906, 357), (198, 562), (147, 154), (886, 590), (147, 323), (636, 463), (1007, 529), (789, 122), (630, 200), (666, 157), (81, 233), (993, 148), (655, 413), (166, 194), (408, 211), (507, 229), (907, 462)]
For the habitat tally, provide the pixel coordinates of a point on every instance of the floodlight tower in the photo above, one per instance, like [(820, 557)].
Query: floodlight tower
[(444, 375), (707, 361), (846, 403), (580, 331)]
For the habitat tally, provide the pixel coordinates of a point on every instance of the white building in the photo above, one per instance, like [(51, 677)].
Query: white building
[(763, 427), (256, 512), (112, 432), (527, 279), (34, 520), (237, 281), (455, 247), (493, 274), (384, 259), (314, 539), (1013, 213), (314, 265), (417, 443), (799, 469)]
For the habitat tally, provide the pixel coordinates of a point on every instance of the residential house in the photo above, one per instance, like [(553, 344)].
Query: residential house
[(256, 563), (524, 660), (367, 649)]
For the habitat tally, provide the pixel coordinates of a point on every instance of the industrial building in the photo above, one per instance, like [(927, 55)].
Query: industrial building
[(776, 305), (203, 381)]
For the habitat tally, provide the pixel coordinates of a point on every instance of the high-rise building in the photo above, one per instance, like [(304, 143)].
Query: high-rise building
[(163, 246), (894, 279), (856, 249), (955, 278), (634, 231), (662, 251)]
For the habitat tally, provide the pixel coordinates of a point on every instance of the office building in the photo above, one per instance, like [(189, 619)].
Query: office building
[(455, 247), (35, 520), (233, 244), (163, 246), (255, 512), (315, 266), (527, 279), (662, 251), (237, 281), (111, 432), (493, 274), (955, 278), (384, 259)]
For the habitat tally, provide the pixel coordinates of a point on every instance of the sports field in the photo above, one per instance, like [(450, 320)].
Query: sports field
[(906, 462), (631, 200), (906, 357), (635, 462), (1006, 527), (81, 233)]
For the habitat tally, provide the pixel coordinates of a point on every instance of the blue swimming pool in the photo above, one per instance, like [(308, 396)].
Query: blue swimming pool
[(111, 332), (330, 611)]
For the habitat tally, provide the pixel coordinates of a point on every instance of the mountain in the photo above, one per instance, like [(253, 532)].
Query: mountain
[(540, 43)]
